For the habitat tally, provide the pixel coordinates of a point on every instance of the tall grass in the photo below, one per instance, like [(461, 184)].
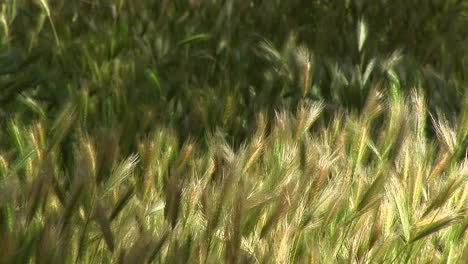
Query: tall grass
[(232, 132)]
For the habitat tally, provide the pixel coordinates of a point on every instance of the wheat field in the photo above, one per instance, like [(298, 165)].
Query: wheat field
[(233, 131)]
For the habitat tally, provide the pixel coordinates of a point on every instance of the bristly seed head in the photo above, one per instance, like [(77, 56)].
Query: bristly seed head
[(300, 60)]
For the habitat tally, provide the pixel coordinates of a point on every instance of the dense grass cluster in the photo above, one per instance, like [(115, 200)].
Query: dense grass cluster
[(233, 131)]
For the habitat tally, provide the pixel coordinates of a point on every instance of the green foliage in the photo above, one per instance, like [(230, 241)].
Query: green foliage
[(233, 131)]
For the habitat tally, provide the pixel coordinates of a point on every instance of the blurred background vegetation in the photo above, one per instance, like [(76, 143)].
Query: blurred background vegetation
[(160, 62)]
